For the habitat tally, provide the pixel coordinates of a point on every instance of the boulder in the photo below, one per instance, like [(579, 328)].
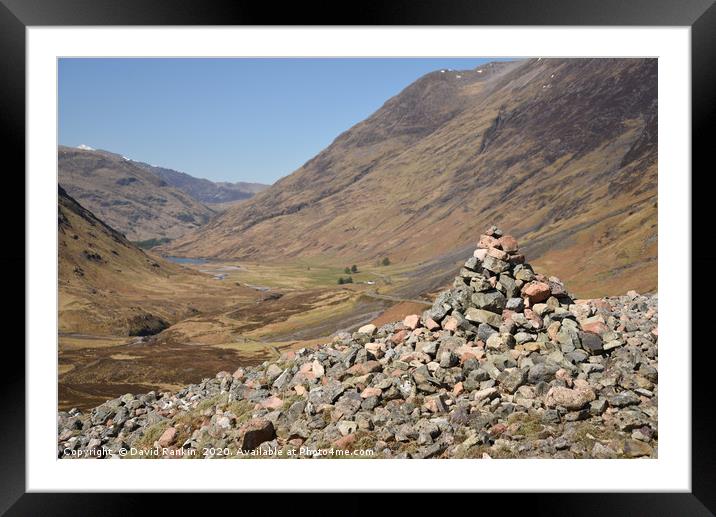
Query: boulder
[(255, 432), (483, 316), (536, 292)]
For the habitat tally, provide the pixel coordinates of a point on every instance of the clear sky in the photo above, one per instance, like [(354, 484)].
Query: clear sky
[(227, 119)]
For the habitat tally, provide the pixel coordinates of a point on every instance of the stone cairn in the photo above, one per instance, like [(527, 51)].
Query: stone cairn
[(504, 364)]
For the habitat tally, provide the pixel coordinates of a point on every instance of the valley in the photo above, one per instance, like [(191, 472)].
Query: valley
[(262, 309), (166, 279)]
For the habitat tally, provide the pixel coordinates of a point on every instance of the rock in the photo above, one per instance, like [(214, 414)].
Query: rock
[(167, 438), (371, 392), (487, 393), (483, 316), (508, 285), (486, 356), (300, 390), (508, 243), (431, 451), (448, 359), (501, 342), (542, 372), (282, 381), (511, 380), (367, 329), (272, 403), (428, 347), (484, 331), (494, 264), (317, 369), (536, 292), (571, 399), (497, 253), (592, 343), (488, 241), (524, 274), (451, 323), (637, 448), (595, 325), (597, 407), (602, 451), (624, 399), (272, 372), (473, 264), (255, 432), (432, 325), (346, 427), (615, 343), (101, 414), (493, 301), (515, 304), (435, 404), (494, 231), (364, 368), (412, 321), (480, 254), (398, 337), (346, 442)]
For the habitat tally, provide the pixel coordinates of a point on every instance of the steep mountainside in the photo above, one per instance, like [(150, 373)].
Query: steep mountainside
[(203, 190), (129, 198), (561, 150), (109, 286)]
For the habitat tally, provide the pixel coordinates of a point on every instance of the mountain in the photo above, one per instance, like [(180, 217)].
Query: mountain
[(108, 286), (203, 190), (95, 262), (505, 364), (561, 150), (128, 197)]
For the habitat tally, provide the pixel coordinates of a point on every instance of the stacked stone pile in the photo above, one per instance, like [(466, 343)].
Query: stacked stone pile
[(504, 364)]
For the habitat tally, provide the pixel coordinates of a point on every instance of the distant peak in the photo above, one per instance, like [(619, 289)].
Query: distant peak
[(85, 147)]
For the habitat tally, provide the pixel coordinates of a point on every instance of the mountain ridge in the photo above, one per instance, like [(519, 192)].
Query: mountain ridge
[(145, 202), (547, 146), (204, 190), (127, 197)]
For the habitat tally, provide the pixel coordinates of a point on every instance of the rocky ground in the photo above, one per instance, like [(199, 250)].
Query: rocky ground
[(504, 365)]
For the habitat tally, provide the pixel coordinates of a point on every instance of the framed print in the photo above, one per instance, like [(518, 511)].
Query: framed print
[(453, 242)]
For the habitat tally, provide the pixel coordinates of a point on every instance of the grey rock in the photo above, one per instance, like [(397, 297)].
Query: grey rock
[(483, 316), (623, 399), (515, 304), (493, 301), (511, 380), (494, 264), (542, 372), (484, 331), (592, 343)]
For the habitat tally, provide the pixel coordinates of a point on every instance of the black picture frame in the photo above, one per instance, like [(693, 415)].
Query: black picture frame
[(16, 15)]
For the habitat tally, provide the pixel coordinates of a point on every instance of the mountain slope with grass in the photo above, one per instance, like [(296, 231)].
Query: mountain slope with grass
[(108, 286), (563, 151), (126, 196)]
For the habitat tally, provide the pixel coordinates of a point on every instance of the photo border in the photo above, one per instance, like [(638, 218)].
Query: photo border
[(16, 15)]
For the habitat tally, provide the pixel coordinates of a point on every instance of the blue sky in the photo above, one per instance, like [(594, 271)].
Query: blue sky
[(227, 119)]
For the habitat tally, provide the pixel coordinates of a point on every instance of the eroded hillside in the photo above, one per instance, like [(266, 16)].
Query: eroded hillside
[(131, 199), (108, 286), (561, 150)]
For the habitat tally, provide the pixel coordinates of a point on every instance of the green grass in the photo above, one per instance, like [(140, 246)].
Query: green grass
[(151, 435)]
